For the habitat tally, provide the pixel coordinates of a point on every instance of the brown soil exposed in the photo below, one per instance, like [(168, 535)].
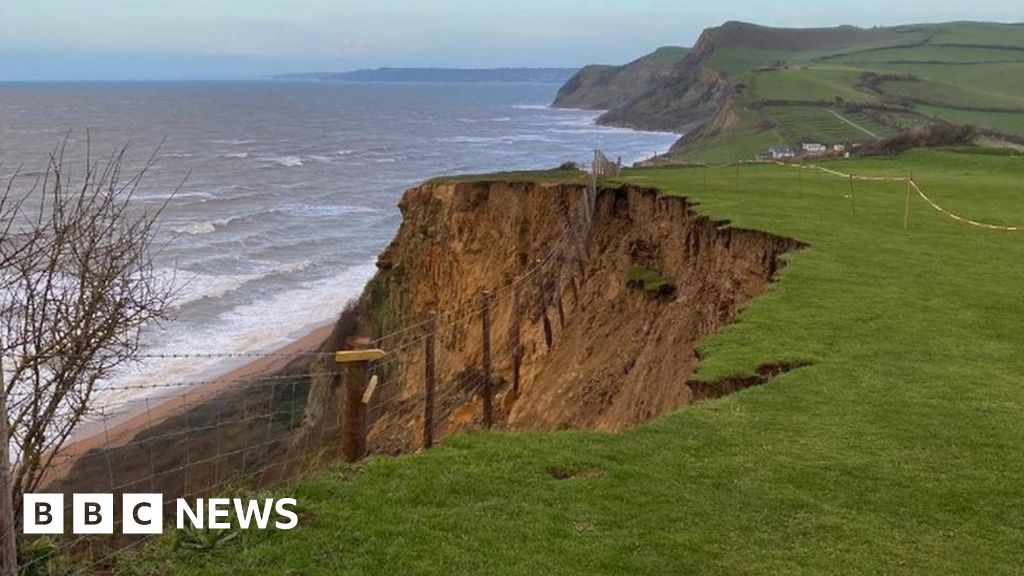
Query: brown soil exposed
[(620, 353)]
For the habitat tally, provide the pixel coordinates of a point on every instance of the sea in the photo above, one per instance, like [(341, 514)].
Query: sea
[(284, 192)]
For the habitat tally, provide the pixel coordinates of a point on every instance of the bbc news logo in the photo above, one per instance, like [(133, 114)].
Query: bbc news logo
[(144, 513)]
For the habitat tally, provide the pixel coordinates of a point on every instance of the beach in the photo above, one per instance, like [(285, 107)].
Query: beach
[(142, 416)]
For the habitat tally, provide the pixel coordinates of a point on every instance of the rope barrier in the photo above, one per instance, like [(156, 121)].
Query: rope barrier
[(913, 184), (959, 218)]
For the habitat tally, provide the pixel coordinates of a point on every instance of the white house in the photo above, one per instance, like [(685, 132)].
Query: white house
[(814, 148), (781, 152)]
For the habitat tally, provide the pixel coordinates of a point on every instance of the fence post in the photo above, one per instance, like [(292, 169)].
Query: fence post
[(853, 199), (430, 383), (513, 336), (8, 544), (355, 374), (488, 391), (906, 204)]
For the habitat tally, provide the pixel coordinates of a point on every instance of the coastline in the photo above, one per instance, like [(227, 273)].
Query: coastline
[(141, 414), (136, 418)]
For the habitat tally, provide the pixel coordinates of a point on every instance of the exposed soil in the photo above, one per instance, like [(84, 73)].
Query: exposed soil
[(598, 351), (618, 354)]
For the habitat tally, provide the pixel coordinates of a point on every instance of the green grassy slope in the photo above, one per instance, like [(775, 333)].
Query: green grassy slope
[(599, 87), (898, 451), (960, 72)]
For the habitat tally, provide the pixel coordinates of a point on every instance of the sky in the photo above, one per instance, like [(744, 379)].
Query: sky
[(183, 39)]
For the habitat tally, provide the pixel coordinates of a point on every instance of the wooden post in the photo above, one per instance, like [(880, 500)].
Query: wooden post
[(8, 544), (355, 374), (488, 391), (430, 383), (513, 336), (853, 199), (906, 204)]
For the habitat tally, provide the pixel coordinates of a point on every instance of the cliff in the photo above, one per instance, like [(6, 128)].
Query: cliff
[(609, 323), (621, 351), (599, 87), (737, 90)]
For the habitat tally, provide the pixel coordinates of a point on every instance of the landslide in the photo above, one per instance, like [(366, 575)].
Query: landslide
[(600, 350)]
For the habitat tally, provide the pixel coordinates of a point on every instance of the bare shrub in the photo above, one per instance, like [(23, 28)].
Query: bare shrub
[(77, 285)]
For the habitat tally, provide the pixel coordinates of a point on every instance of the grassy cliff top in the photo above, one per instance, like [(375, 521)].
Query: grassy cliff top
[(960, 72), (753, 86), (896, 451)]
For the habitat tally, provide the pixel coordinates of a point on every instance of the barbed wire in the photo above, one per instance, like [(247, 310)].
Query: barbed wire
[(387, 393)]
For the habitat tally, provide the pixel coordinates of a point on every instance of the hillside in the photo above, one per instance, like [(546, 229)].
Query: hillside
[(543, 75), (892, 448), (599, 87), (745, 87)]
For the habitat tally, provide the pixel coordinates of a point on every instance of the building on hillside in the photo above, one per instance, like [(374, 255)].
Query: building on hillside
[(781, 152), (814, 148), (839, 148)]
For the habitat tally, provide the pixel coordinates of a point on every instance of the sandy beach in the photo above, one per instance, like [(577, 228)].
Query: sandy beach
[(138, 419)]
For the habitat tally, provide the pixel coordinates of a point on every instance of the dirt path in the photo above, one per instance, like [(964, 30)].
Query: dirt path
[(854, 124)]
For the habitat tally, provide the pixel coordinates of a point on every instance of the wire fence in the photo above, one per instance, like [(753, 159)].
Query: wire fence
[(263, 430), (203, 436)]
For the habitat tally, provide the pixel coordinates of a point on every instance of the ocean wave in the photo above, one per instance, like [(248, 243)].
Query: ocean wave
[(322, 210), (345, 152), (257, 327), (504, 139), (287, 161), (197, 286), (194, 228), (238, 155), (476, 120), (532, 107), (206, 227)]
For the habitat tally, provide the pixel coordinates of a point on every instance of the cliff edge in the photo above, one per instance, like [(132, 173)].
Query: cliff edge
[(608, 336)]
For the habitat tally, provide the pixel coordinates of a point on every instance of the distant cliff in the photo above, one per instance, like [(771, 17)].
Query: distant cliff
[(743, 87), (540, 75), (599, 87), (698, 87)]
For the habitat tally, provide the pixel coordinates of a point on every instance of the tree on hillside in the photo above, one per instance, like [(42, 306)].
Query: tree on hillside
[(77, 283)]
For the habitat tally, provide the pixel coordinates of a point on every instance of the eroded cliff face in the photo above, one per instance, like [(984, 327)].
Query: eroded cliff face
[(599, 87), (685, 98), (620, 353)]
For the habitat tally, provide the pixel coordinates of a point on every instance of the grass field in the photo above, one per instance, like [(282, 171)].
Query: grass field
[(955, 72), (818, 84), (897, 451), (923, 54), (824, 125)]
